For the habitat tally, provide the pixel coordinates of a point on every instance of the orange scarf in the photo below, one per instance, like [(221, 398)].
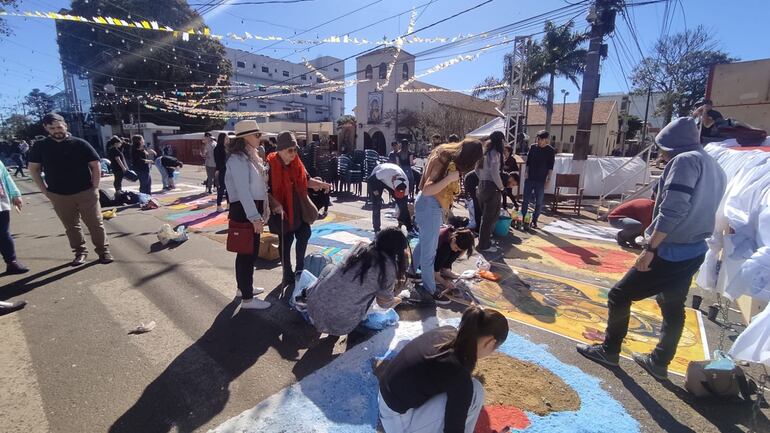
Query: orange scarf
[(284, 180)]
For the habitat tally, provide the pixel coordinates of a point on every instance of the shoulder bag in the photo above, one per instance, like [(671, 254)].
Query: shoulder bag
[(717, 378)]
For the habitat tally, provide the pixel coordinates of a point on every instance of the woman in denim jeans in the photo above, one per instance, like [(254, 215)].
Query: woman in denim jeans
[(438, 187)]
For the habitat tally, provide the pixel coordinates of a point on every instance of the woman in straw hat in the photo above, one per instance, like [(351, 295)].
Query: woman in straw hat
[(246, 182)]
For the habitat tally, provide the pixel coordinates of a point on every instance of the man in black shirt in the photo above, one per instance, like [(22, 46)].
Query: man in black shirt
[(540, 161), (72, 175)]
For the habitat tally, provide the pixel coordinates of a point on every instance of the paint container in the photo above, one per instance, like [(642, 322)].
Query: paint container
[(696, 301), (713, 312)]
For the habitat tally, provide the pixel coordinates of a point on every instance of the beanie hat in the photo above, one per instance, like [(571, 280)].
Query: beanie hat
[(680, 135), (285, 140)]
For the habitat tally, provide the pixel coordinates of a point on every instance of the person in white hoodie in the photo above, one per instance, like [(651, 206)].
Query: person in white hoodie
[(246, 182)]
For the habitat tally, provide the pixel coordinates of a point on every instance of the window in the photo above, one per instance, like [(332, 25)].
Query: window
[(262, 89), (571, 138), (287, 109), (285, 73), (319, 97), (240, 64), (265, 69), (383, 71), (553, 138), (304, 95), (253, 66), (319, 112), (368, 72), (336, 70), (405, 72), (262, 106), (243, 104), (318, 79), (284, 91), (303, 76)]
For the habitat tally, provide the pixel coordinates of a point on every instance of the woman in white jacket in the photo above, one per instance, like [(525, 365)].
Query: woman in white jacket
[(246, 182)]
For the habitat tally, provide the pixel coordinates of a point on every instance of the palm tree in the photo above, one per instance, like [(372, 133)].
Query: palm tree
[(490, 88), (558, 54)]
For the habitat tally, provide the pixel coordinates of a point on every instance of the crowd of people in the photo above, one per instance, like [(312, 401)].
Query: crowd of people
[(428, 385)]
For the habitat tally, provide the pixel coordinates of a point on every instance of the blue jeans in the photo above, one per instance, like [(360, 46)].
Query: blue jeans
[(428, 215), (629, 229), (536, 188), (163, 173), (145, 182)]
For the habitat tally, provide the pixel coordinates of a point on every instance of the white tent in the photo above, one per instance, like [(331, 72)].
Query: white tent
[(496, 124)]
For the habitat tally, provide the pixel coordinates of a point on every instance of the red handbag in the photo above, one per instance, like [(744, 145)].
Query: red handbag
[(240, 237)]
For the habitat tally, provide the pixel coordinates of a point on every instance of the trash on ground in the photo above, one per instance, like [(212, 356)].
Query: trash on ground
[(166, 234), (143, 328)]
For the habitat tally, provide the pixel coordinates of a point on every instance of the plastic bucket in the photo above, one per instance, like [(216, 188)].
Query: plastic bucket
[(502, 226)]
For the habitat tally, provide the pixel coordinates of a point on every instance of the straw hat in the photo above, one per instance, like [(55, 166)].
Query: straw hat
[(246, 127)]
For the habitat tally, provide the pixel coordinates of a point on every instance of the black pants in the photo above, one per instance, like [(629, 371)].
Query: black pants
[(375, 188), (489, 200), (508, 193), (302, 234), (117, 181), (221, 190), (6, 241), (670, 281), (18, 159), (471, 183), (244, 263)]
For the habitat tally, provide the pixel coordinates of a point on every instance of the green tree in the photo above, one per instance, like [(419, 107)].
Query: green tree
[(558, 54), (679, 66), (138, 62), (4, 30), (40, 103), (15, 126)]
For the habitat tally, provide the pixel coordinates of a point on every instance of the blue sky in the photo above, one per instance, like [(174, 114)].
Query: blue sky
[(30, 57)]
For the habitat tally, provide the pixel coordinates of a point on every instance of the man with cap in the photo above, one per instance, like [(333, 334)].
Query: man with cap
[(689, 192), (388, 176)]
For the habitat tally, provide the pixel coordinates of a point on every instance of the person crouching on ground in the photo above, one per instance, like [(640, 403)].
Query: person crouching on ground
[(438, 188), (339, 300), (428, 386), (688, 195), (168, 165), (390, 177), (452, 243), (631, 217), (289, 182), (246, 182)]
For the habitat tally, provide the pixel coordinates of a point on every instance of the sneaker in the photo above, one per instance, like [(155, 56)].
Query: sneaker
[(254, 304), (491, 249), (596, 353), (533, 225), (7, 307), (15, 268), (80, 259), (106, 258), (645, 361), (220, 209), (440, 298)]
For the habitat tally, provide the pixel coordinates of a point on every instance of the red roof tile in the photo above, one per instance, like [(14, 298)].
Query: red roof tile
[(602, 112)]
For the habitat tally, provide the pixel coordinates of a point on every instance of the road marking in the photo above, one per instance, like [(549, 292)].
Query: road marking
[(129, 307), (223, 281), (21, 405)]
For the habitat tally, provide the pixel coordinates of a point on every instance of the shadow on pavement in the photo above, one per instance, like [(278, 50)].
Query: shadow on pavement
[(32, 282), (195, 387)]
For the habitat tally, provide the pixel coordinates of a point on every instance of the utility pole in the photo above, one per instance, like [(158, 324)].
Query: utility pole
[(602, 19), (561, 133), (624, 105)]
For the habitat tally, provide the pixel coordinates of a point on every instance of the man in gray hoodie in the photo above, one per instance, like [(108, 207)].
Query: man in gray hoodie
[(689, 192)]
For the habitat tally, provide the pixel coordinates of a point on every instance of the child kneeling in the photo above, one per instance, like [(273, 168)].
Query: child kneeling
[(341, 297), (428, 386)]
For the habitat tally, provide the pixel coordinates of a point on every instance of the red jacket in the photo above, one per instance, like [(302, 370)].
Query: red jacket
[(639, 209)]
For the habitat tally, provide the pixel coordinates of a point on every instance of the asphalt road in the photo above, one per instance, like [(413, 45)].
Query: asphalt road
[(70, 364)]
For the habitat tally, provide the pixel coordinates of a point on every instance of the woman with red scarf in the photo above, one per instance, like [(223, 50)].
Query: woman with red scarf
[(289, 182)]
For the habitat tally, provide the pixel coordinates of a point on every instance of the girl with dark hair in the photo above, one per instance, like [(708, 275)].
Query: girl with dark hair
[(452, 243), (428, 386), (490, 189), (220, 158), (141, 163), (438, 187), (339, 300), (117, 161)]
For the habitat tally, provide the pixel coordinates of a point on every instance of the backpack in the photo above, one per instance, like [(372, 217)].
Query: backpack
[(316, 262)]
